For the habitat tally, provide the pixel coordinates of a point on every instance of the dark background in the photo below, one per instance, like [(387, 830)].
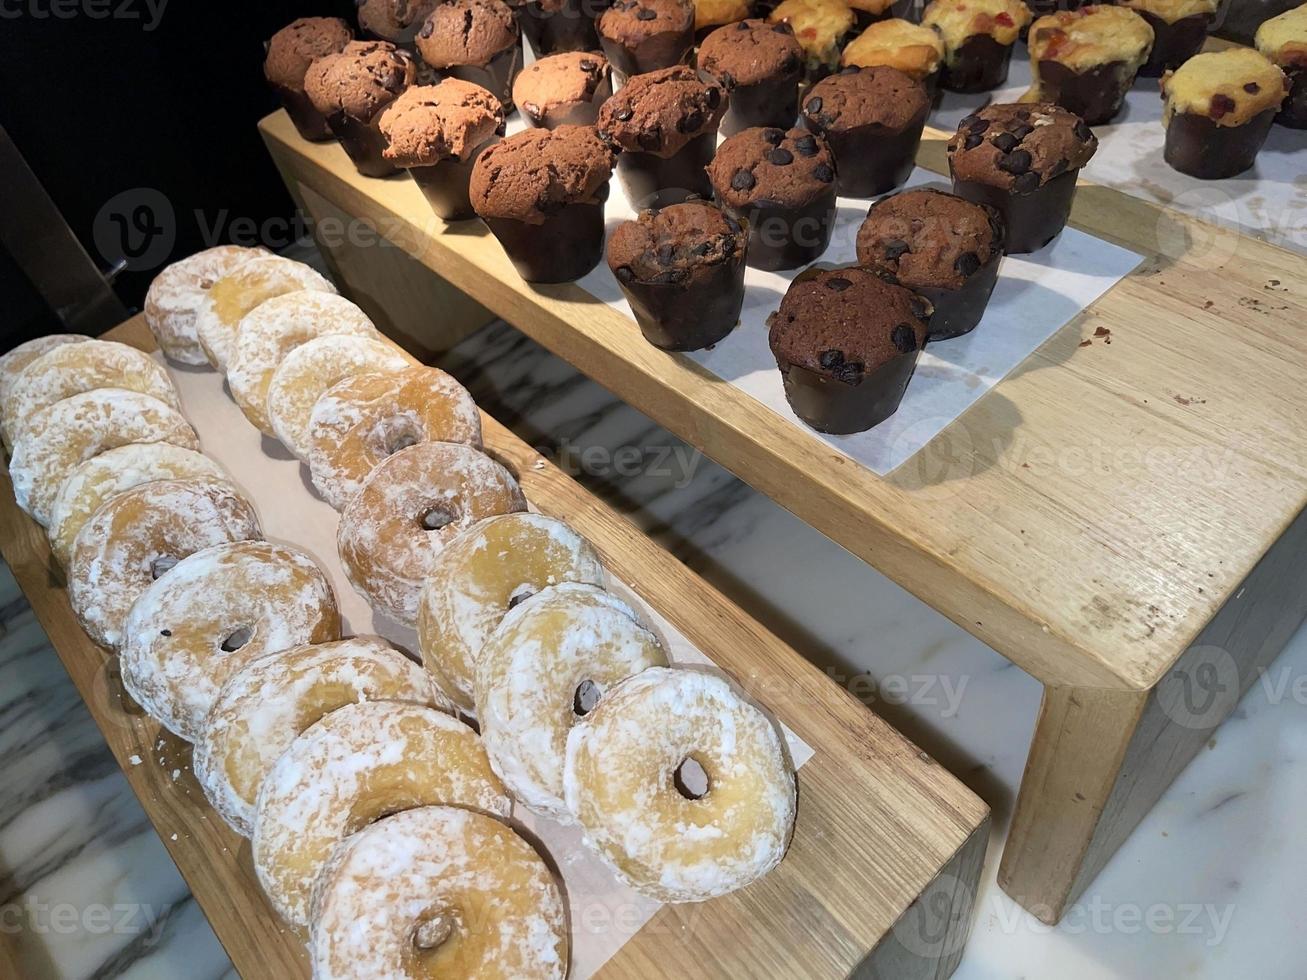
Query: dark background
[(104, 107)]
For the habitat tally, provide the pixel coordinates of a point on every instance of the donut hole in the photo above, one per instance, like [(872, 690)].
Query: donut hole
[(392, 434), (236, 639), (433, 932), (439, 516), (691, 779), (520, 595), (585, 698), (162, 565)]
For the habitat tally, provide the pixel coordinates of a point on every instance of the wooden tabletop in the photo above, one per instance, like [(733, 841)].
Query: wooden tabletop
[(884, 836), (1086, 518)]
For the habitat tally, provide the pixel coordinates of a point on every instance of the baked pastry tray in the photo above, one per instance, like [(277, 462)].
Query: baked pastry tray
[(888, 846)]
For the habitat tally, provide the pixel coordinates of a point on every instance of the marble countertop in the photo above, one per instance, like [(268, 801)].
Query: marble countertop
[(1209, 885)]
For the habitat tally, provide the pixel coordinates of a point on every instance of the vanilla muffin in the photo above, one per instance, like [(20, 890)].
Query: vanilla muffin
[(821, 27), (978, 38), (915, 50), (1283, 40), (1086, 60)]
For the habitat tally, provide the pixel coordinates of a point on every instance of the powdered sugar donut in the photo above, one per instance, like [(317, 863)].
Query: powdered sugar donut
[(177, 292), (367, 417), (225, 303), (140, 535), (67, 433), (551, 659), (214, 612), (483, 573), (13, 363), (311, 369), (272, 330), (625, 769), (265, 706), (73, 368), (408, 508), (358, 764), (438, 892), (101, 477)]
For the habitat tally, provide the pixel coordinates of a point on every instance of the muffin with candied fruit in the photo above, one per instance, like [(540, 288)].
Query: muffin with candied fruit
[(759, 66), (1086, 60), (821, 26), (1283, 40), (978, 38), (913, 49)]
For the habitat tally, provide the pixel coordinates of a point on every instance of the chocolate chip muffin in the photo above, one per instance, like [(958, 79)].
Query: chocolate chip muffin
[(436, 132), (542, 194), (846, 342), (475, 40), (1179, 30), (644, 35), (396, 21), (1022, 159), (941, 246), (915, 50), (821, 26), (665, 123), (978, 38), (872, 118), (563, 89), (759, 65), (1086, 60), (1283, 40), (682, 270), (1218, 111), (558, 26), (782, 185), (290, 52), (351, 89)]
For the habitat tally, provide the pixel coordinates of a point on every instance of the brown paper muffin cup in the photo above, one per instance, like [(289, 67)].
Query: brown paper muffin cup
[(1095, 96), (688, 315), (837, 408), (979, 64), (651, 181), (662, 50), (364, 143), (1032, 220), (562, 248), (871, 160), (445, 184), (310, 123), (495, 76), (1293, 112), (770, 103), (570, 28), (571, 113), (783, 237), (959, 311), (1197, 146), (1174, 43)]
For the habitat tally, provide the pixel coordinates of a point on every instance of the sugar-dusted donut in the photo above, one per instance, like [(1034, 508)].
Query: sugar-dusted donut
[(367, 417), (139, 536), (269, 703), (311, 369), (358, 764), (92, 483), (541, 671), (73, 368), (225, 303), (215, 612), (67, 433), (177, 292), (487, 570), (438, 892), (408, 508), (702, 834), (272, 330), (13, 363)]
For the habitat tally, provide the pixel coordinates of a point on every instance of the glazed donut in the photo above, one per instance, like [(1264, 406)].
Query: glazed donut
[(358, 764), (177, 292), (312, 368), (92, 483), (545, 666), (76, 429), (407, 509), (70, 369), (438, 892), (138, 536), (367, 417), (272, 330), (266, 705), (13, 363), (225, 303), (625, 769), (216, 611)]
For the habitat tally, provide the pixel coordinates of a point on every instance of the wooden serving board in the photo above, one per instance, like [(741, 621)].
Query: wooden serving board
[(888, 846)]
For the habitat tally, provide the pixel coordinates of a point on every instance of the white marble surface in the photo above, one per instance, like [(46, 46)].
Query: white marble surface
[(1208, 887)]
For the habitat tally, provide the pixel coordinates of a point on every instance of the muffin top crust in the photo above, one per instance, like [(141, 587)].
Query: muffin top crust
[(466, 32), (1019, 147), (929, 238), (536, 173), (1283, 39), (630, 22), (1229, 87), (819, 26), (661, 111), (1082, 39), (362, 79), (958, 20), (300, 43), (791, 169), (559, 80), (749, 52), (911, 48), (670, 244), (856, 97), (430, 123), (1172, 10)]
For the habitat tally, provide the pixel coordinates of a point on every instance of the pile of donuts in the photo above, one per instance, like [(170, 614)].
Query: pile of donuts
[(378, 793)]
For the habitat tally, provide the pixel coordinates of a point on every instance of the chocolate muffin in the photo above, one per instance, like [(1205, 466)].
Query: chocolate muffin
[(847, 342), (351, 89), (554, 26), (821, 27), (759, 65), (781, 184), (682, 270), (1283, 40), (1218, 110), (872, 118), (914, 50), (644, 35), (665, 123), (396, 21), (941, 246), (978, 38), (436, 132), (290, 52), (542, 194), (1022, 159), (712, 14), (1086, 60), (475, 40), (1179, 30), (563, 89)]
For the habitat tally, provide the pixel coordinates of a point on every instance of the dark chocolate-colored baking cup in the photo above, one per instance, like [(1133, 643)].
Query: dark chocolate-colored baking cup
[(569, 28), (562, 248), (496, 75), (783, 237), (1096, 95), (979, 64), (1032, 220), (838, 408), (1174, 42), (309, 122), (445, 184), (1293, 111), (364, 143), (774, 102), (958, 311), (1196, 145), (661, 50), (689, 315), (652, 181), (580, 113), (873, 159)]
